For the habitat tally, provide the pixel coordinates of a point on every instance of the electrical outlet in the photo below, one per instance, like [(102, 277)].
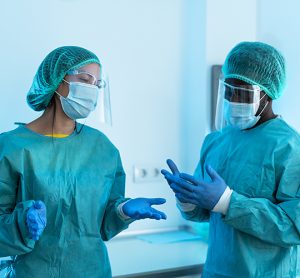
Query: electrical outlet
[(146, 174)]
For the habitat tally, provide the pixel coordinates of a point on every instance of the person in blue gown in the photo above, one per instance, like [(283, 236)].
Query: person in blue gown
[(62, 183), (247, 182)]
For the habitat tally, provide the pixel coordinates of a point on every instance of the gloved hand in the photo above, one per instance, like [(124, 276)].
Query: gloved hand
[(140, 208), (198, 192), (175, 173), (36, 219)]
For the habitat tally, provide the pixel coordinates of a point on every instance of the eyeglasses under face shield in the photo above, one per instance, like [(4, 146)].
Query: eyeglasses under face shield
[(86, 77)]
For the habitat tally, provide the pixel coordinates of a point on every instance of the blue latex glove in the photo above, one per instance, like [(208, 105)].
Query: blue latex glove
[(140, 208), (198, 192), (175, 172), (36, 219)]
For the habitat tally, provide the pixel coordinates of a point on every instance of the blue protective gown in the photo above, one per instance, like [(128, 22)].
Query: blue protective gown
[(81, 181), (259, 234)]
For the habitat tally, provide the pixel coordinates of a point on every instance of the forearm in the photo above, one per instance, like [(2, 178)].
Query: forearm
[(192, 212), (261, 218), (14, 235), (114, 222)]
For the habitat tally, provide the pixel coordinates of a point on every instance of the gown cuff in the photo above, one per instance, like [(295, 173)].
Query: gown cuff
[(223, 203), (121, 214), (185, 207)]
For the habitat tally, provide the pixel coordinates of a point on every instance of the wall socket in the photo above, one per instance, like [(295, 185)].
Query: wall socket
[(146, 174)]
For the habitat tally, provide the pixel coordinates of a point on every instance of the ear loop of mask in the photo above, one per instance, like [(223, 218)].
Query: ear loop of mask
[(76, 124), (264, 106), (58, 92)]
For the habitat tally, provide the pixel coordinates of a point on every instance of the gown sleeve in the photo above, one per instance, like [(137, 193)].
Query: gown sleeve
[(113, 223), (14, 235), (277, 223)]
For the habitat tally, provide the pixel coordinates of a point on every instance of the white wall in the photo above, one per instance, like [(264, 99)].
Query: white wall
[(226, 27), (278, 24)]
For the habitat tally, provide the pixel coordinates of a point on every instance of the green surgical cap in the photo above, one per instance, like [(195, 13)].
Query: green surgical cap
[(52, 71), (257, 64)]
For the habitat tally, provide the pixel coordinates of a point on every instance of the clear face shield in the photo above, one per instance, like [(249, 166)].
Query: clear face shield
[(237, 106), (98, 88)]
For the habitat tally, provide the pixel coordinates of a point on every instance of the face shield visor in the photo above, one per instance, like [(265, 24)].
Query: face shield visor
[(237, 105), (98, 88)]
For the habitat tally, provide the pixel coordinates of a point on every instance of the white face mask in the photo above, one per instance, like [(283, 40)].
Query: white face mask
[(81, 100), (242, 115)]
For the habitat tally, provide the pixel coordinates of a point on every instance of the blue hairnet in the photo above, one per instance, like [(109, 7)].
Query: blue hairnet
[(258, 64), (52, 71)]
